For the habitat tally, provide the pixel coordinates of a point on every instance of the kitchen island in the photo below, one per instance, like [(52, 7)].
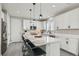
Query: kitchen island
[(52, 44)]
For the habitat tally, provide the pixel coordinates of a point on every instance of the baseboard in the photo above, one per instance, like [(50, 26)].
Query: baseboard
[(68, 52), (15, 42)]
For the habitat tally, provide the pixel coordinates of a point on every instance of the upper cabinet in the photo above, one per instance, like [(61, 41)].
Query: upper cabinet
[(68, 20), (62, 21), (74, 18)]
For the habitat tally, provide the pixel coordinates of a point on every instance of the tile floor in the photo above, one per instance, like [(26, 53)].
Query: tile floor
[(64, 53), (15, 49)]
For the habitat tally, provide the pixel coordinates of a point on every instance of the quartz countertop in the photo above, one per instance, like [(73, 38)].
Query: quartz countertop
[(42, 40), (66, 33)]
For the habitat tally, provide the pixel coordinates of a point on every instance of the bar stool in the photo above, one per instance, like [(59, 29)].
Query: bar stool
[(26, 49), (31, 49), (37, 51)]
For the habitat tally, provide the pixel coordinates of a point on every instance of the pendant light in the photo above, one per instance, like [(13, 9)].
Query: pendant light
[(34, 12), (40, 12), (30, 16)]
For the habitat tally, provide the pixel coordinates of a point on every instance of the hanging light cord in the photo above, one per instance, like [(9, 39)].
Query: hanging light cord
[(34, 11), (40, 8), (30, 15), (40, 12)]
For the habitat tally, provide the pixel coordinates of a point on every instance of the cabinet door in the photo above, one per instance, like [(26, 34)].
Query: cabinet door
[(73, 46), (65, 44), (58, 22), (74, 21), (62, 21), (74, 24), (65, 21), (74, 18), (53, 49)]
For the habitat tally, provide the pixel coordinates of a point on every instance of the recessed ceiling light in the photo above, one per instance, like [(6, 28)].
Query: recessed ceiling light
[(53, 5)]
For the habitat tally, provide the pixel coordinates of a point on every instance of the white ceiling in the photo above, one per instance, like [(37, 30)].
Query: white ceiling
[(22, 9)]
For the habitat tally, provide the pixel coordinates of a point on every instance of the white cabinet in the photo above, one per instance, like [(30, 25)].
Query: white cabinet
[(68, 19), (53, 49), (70, 45), (73, 46), (62, 21), (64, 44), (74, 18)]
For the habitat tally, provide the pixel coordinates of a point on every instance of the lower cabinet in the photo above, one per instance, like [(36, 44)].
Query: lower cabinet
[(53, 49), (65, 44), (70, 45), (73, 46)]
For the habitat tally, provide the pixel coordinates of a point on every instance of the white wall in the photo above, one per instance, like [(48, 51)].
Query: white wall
[(27, 24), (16, 30), (39, 25), (44, 25), (50, 24)]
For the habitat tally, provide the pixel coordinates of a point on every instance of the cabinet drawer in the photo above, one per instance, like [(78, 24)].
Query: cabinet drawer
[(73, 46)]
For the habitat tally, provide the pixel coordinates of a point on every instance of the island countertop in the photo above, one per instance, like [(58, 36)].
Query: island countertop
[(40, 41)]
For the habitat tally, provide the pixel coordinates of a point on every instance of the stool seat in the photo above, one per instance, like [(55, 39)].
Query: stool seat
[(38, 51)]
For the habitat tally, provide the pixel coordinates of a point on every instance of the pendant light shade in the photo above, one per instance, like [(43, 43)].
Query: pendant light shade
[(40, 15), (34, 3)]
